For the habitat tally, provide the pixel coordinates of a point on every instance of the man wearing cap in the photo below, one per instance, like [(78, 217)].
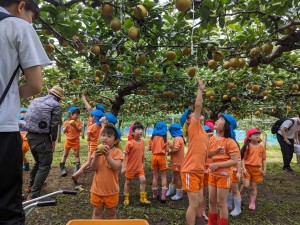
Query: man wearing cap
[(20, 47), (42, 120)]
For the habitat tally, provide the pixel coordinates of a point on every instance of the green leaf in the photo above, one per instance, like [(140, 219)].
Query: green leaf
[(204, 13)]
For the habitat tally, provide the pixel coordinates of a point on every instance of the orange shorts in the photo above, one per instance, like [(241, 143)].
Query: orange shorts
[(206, 175), (107, 201), (192, 182), (254, 174), (219, 181), (131, 175), (159, 162), (74, 144), (233, 177), (25, 147), (92, 148), (176, 167)]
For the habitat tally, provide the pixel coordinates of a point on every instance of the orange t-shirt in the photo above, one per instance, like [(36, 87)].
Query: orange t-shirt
[(90, 121), (178, 157), (235, 168), (93, 132), (105, 182), (230, 147), (198, 149), (23, 135), (255, 155), (158, 145), (71, 132), (134, 156)]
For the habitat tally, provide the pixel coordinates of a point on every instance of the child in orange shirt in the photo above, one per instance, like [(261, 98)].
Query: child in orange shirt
[(134, 162), (253, 162), (25, 145), (193, 166), (106, 164), (93, 133), (72, 128), (224, 154), (159, 146), (177, 156)]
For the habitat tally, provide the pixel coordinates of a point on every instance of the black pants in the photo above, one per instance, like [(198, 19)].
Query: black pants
[(287, 151), (11, 172), (41, 149)]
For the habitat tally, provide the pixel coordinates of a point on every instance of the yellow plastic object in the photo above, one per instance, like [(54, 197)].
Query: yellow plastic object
[(108, 222)]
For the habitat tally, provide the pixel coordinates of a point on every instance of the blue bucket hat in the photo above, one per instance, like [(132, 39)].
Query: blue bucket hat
[(23, 110), (116, 129), (111, 118), (175, 130), (233, 125), (97, 114), (206, 128), (100, 107), (184, 117), (72, 109), (160, 129)]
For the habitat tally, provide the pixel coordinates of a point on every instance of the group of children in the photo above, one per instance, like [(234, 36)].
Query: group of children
[(212, 165)]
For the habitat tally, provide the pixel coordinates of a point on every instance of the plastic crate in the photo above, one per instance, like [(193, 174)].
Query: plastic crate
[(108, 222)]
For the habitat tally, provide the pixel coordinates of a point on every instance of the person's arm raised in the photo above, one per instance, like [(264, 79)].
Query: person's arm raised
[(34, 82), (86, 104), (199, 100)]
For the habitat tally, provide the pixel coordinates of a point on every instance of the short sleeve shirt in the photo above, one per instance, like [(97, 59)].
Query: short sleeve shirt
[(93, 132), (178, 157), (290, 132), (72, 133), (254, 155), (158, 145), (19, 44), (134, 156), (105, 182), (230, 148), (198, 149)]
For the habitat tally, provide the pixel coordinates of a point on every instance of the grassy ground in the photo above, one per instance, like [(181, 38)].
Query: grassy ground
[(278, 197)]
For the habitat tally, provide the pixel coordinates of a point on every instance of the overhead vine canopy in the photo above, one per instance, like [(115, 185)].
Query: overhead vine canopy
[(143, 56)]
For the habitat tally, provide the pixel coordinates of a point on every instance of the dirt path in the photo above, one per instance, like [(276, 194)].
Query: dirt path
[(278, 202)]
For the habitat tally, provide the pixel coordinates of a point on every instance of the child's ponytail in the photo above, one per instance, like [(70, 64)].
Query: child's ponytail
[(245, 148)]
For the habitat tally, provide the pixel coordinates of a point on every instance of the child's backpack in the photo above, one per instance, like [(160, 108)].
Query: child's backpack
[(275, 127)]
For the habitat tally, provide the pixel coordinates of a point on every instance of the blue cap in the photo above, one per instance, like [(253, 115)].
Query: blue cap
[(23, 110), (116, 129), (160, 129), (229, 118), (206, 128), (72, 109), (111, 118), (184, 117), (100, 107), (97, 114), (175, 130)]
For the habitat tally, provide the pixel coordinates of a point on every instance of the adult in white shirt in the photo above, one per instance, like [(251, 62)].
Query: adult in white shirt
[(287, 135), (19, 45)]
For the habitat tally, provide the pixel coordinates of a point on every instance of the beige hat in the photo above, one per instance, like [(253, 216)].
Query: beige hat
[(57, 91)]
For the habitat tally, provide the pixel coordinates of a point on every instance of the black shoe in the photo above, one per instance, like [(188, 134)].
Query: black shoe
[(288, 170)]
